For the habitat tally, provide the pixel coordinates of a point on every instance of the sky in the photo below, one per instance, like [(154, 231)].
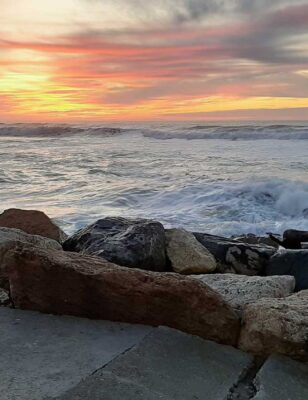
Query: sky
[(131, 60)]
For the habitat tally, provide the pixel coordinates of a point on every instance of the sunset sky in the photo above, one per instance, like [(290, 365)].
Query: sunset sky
[(96, 60)]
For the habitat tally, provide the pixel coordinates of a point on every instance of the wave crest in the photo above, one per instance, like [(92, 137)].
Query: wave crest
[(240, 132), (51, 130)]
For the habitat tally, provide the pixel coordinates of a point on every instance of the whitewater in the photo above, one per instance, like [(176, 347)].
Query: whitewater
[(225, 179)]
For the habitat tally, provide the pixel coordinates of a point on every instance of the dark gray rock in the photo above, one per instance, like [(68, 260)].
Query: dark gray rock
[(290, 262), (136, 243), (293, 239), (250, 238), (234, 256)]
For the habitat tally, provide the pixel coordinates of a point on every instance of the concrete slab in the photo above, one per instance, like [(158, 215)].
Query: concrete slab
[(43, 355), (167, 364), (281, 378)]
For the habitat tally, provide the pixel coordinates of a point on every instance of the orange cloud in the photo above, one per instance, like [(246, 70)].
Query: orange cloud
[(154, 73)]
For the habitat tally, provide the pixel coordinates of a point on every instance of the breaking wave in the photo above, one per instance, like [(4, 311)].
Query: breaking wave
[(163, 132), (51, 130), (239, 132)]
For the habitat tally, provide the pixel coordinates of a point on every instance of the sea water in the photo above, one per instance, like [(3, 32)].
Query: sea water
[(220, 178)]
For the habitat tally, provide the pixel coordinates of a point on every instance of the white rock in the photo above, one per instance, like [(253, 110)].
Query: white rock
[(186, 254), (239, 290)]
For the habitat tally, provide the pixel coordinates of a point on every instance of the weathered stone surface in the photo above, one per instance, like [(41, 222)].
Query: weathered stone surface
[(136, 243), (259, 240), (33, 222), (236, 257), (4, 297), (186, 254), (282, 379), (9, 237), (167, 365), (239, 290), (290, 262), (69, 283), (277, 326), (46, 355)]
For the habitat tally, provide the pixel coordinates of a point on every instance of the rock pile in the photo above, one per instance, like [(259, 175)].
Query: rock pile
[(133, 270)]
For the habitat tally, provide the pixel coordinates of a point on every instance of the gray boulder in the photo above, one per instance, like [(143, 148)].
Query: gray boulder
[(290, 262), (239, 290), (135, 243), (250, 238), (234, 256)]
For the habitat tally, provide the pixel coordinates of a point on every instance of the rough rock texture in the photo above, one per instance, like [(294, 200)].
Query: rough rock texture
[(136, 243), (33, 222), (68, 283), (186, 254), (239, 290), (4, 297), (290, 262), (277, 326), (259, 240), (8, 239), (236, 257)]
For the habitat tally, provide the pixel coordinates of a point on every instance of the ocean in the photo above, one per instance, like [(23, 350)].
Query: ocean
[(221, 178)]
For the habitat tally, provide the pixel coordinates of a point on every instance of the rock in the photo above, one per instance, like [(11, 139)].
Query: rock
[(292, 239), (233, 256), (282, 379), (239, 290), (136, 243), (4, 297), (33, 222), (10, 237), (277, 326), (68, 283), (186, 254), (259, 240), (290, 262)]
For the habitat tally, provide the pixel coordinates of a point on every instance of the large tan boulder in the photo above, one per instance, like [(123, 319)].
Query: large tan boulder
[(186, 254), (239, 290), (33, 222), (277, 326), (9, 238), (73, 284)]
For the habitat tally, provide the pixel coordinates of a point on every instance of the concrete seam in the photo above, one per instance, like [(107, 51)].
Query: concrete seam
[(245, 388)]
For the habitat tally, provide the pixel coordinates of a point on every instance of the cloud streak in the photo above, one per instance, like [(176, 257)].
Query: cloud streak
[(252, 50)]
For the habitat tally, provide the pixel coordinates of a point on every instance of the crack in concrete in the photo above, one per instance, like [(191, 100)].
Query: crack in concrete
[(121, 354), (245, 388)]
